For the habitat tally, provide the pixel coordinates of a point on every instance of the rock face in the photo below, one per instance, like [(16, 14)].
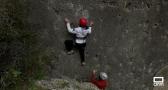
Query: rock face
[(61, 84), (129, 39)]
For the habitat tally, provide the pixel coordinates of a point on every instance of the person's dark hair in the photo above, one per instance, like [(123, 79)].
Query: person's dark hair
[(99, 78), (87, 27)]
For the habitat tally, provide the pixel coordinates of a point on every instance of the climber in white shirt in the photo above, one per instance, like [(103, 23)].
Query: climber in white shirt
[(81, 34)]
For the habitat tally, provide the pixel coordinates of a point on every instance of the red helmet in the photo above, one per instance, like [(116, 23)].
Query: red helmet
[(83, 22)]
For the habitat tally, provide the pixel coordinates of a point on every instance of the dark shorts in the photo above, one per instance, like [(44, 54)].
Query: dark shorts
[(69, 45)]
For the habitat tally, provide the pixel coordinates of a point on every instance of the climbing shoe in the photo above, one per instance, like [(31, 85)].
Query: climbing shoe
[(83, 63), (70, 52)]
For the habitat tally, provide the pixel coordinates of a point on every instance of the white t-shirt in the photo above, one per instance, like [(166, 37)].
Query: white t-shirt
[(80, 33)]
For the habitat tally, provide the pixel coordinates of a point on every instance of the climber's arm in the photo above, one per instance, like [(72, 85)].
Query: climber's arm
[(89, 30), (90, 27), (93, 77), (71, 30)]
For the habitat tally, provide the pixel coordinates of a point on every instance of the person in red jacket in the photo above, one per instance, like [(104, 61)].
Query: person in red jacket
[(101, 82)]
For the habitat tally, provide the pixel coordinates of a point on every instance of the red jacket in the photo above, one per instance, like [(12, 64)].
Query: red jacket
[(101, 84)]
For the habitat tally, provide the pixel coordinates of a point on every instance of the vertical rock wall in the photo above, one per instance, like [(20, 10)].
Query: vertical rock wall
[(129, 39)]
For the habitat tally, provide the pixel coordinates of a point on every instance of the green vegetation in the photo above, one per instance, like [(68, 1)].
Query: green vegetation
[(21, 59)]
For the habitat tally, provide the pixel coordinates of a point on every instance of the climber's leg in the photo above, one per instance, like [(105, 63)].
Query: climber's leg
[(69, 46), (81, 48)]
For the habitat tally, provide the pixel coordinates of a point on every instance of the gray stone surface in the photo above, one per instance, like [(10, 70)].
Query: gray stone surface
[(129, 39), (65, 84)]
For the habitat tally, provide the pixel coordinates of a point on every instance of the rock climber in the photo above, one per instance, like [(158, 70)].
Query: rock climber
[(101, 82), (81, 32)]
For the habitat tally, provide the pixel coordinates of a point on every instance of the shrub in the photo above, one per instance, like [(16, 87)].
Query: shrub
[(21, 59)]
